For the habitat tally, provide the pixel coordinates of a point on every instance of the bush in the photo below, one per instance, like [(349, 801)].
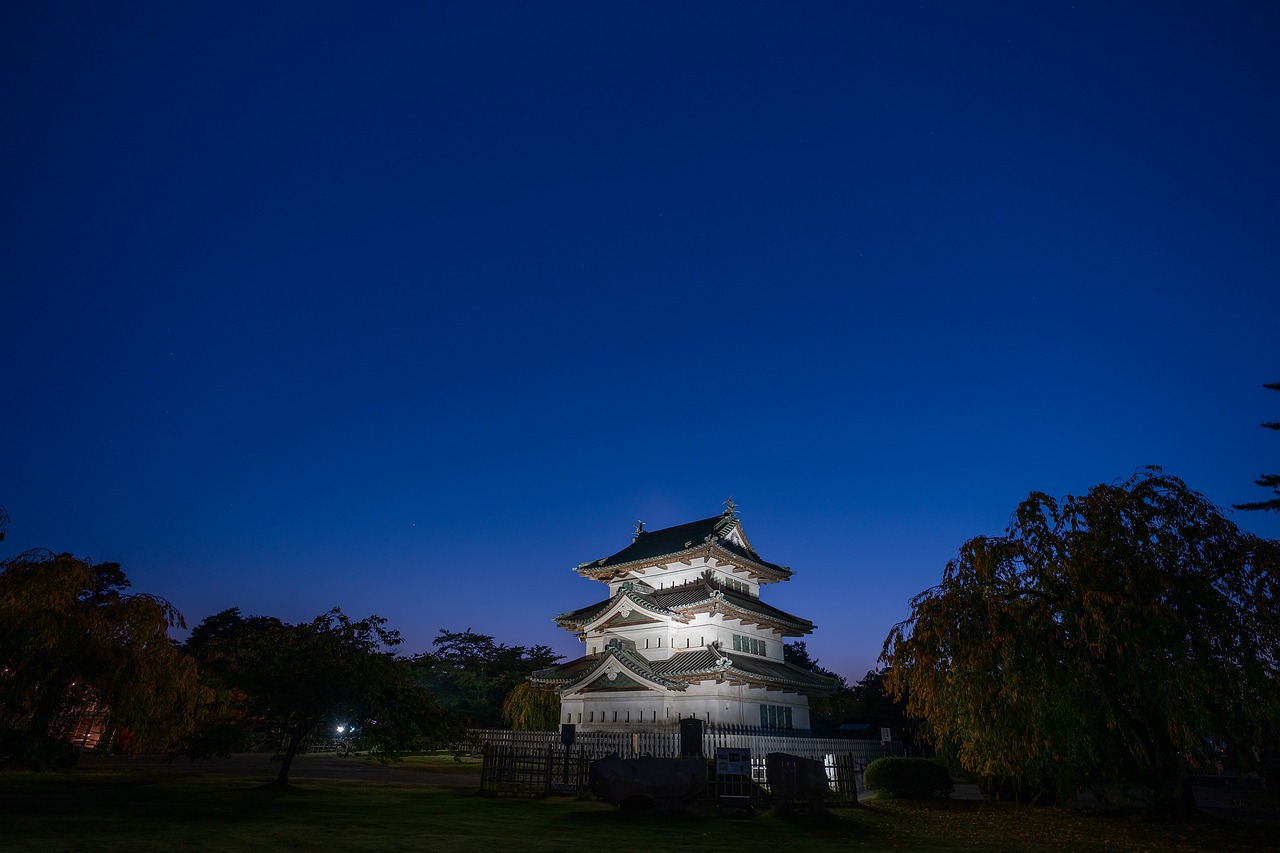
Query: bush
[(910, 778), (36, 752)]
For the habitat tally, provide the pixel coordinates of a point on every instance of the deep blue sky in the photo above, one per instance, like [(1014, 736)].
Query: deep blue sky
[(410, 308)]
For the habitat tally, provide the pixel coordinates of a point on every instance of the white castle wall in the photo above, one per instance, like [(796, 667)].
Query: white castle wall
[(720, 704)]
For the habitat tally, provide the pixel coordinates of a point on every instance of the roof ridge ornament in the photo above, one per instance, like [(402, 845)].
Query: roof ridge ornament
[(730, 508), (639, 530)]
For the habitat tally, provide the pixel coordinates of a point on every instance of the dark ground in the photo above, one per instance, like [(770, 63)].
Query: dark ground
[(251, 764), (1228, 798)]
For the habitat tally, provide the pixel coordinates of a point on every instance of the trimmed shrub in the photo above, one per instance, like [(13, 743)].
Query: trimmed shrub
[(909, 778)]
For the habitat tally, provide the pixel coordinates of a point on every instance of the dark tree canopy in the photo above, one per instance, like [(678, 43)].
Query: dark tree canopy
[(1103, 638), (296, 679), (1267, 481), (71, 640), (828, 711), (797, 654), (472, 674), (870, 701)]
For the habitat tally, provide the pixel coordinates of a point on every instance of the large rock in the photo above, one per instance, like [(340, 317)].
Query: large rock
[(648, 783), (793, 778)]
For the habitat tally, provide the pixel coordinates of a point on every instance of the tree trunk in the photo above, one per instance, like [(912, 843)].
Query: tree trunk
[(1171, 788), (40, 749), (295, 741)]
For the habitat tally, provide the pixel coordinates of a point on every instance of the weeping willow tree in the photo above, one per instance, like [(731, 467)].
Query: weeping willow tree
[(529, 708), (72, 640), (1104, 638)]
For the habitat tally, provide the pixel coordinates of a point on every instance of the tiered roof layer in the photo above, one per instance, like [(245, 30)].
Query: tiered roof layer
[(709, 663), (671, 544), (683, 601)]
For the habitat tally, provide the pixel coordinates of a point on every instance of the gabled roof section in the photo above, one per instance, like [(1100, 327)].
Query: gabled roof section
[(618, 658), (576, 619), (631, 670), (682, 601), (721, 533), (565, 673), (712, 662), (703, 597)]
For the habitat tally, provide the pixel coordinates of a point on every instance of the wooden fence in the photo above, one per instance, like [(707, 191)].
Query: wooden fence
[(534, 771), (538, 764)]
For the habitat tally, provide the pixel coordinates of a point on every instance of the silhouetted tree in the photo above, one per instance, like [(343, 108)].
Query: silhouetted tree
[(1267, 481), (797, 654), (71, 639), (296, 679), (1103, 638), (826, 712), (471, 674), (223, 646)]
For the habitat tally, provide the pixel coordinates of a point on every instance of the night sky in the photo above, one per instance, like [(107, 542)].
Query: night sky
[(409, 308)]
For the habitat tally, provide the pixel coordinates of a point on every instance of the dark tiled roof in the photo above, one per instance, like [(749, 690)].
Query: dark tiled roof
[(686, 666), (786, 673), (684, 663), (668, 540), (706, 660), (585, 614), (680, 598), (565, 674), (652, 544), (638, 664)]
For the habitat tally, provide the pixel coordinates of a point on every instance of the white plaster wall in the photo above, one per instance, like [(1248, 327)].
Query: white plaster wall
[(720, 704)]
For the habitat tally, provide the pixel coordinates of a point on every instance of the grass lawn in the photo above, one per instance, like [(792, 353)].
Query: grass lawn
[(438, 762), (135, 811)]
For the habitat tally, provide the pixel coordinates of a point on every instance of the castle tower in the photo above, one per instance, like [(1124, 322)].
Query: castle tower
[(684, 633)]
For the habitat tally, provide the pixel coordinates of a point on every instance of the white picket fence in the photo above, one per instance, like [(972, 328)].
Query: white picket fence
[(666, 744)]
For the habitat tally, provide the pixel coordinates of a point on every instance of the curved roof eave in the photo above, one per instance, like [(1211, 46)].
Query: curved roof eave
[(594, 613), (602, 568), (707, 663), (629, 664)]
